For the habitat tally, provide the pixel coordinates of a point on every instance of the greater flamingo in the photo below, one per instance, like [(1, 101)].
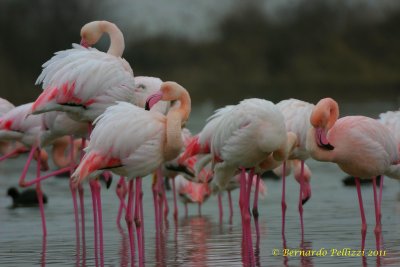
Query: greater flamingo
[(16, 125), (144, 141), (297, 120), (242, 136), (360, 146)]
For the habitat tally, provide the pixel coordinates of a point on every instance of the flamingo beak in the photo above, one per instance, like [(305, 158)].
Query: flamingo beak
[(321, 139), (153, 99), (84, 43)]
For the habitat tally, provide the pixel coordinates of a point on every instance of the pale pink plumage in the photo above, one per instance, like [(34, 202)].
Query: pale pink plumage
[(391, 120), (244, 136)]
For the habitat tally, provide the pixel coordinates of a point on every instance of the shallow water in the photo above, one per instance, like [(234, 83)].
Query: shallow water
[(331, 217)]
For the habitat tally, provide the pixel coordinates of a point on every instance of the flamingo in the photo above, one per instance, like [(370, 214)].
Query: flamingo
[(144, 141), (243, 136), (83, 81), (297, 120), (191, 192), (5, 106), (391, 120), (360, 146), (16, 125)]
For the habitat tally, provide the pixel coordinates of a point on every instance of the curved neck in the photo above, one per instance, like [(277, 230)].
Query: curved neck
[(117, 43), (176, 117), (325, 113), (59, 151)]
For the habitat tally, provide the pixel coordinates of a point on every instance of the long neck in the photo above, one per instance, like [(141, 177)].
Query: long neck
[(117, 43), (60, 147), (175, 119)]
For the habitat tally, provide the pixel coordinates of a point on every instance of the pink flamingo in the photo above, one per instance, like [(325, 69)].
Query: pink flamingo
[(16, 125), (84, 81), (360, 146), (242, 136), (145, 140), (5, 146), (391, 120), (297, 119), (191, 192)]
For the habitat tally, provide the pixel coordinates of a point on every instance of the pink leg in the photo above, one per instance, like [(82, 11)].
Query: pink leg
[(377, 215), (248, 216), (255, 202), (165, 200), (301, 198), (186, 209), (12, 153), (121, 187), (221, 212), (283, 202), (363, 220), (141, 218), (230, 206), (82, 208), (138, 221), (155, 201), (40, 198), (380, 196), (175, 203), (100, 221), (94, 199), (26, 167), (72, 188), (129, 221)]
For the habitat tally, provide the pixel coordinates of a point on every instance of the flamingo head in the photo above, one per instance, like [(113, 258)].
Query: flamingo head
[(91, 33)]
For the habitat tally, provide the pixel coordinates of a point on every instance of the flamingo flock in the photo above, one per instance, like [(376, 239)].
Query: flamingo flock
[(98, 118)]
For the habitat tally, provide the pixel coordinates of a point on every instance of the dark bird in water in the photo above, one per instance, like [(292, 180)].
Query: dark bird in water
[(351, 181), (26, 198)]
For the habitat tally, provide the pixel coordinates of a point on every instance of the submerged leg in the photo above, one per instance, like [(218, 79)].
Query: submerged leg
[(363, 220), (283, 201)]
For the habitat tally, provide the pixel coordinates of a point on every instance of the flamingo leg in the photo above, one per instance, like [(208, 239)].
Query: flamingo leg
[(380, 196), (283, 202), (73, 188), (363, 220), (39, 193), (186, 209), (100, 221), (136, 218), (248, 216), (230, 206), (141, 217), (121, 196), (94, 203), (221, 212), (301, 198), (129, 220), (82, 209), (155, 201), (26, 167), (175, 203), (255, 202), (377, 229)]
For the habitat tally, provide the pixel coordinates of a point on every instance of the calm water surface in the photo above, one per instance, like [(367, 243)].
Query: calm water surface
[(331, 217)]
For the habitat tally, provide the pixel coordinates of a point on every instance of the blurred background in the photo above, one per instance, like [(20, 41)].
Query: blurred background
[(221, 51)]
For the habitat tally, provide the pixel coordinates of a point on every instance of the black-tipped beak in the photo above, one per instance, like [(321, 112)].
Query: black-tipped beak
[(147, 106), (304, 200), (108, 182)]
